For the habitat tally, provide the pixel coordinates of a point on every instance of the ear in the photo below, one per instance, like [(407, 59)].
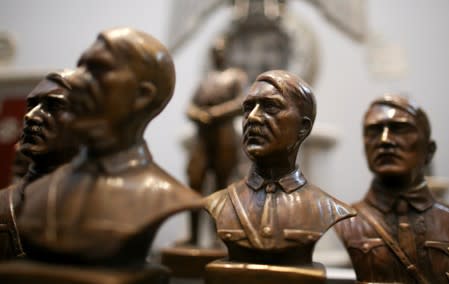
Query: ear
[(431, 148), (306, 128), (146, 94)]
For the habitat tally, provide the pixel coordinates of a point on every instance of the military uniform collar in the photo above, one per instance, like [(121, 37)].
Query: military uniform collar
[(287, 183), (419, 197)]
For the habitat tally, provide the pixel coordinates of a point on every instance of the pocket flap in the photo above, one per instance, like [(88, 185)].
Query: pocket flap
[(442, 246), (231, 235), (367, 244), (301, 235)]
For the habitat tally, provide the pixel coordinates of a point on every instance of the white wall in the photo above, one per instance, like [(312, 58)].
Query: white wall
[(52, 34)]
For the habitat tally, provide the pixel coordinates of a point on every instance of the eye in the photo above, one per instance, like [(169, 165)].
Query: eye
[(247, 107), (31, 103), (54, 105), (271, 108), (373, 130), (401, 127)]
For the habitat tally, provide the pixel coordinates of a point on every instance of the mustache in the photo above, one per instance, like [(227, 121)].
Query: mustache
[(381, 152), (33, 132), (255, 129)]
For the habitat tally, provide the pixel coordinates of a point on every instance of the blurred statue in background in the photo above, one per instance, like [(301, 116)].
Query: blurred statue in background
[(214, 154), (216, 103), (103, 209), (273, 216), (45, 144), (400, 233)]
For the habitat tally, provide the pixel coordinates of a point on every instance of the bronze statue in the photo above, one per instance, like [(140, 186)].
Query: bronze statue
[(104, 208), (400, 233), (274, 216), (46, 142), (216, 102)]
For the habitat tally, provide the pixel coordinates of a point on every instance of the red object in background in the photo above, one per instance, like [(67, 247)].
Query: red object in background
[(12, 111)]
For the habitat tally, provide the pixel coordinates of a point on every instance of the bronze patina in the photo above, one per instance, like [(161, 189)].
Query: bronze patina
[(400, 233), (46, 143), (274, 216), (104, 208)]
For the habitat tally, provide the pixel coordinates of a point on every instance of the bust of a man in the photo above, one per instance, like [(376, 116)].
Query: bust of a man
[(274, 215), (105, 207), (400, 233), (47, 142)]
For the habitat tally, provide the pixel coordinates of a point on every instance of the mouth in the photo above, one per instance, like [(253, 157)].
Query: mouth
[(385, 157), (33, 134), (255, 131)]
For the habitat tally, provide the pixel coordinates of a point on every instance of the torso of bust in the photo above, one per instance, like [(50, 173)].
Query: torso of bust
[(106, 213)]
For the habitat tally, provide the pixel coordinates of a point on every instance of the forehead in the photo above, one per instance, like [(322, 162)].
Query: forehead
[(261, 89), (45, 88), (378, 114), (99, 50)]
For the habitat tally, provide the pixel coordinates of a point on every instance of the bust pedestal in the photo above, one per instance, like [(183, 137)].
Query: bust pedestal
[(224, 272), (190, 261), (23, 272)]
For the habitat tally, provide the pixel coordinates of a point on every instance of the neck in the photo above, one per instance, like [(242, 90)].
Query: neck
[(275, 168), (400, 183)]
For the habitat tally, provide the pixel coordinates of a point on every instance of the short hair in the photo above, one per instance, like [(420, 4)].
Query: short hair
[(149, 59), (405, 104), (60, 78), (289, 84)]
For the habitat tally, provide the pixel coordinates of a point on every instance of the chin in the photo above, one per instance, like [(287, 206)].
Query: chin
[(32, 150), (255, 151), (390, 170)]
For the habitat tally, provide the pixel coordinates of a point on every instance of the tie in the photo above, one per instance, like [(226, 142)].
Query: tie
[(405, 233), (267, 222)]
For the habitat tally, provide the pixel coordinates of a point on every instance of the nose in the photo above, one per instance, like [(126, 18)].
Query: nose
[(386, 138), (385, 134), (255, 114), (35, 115)]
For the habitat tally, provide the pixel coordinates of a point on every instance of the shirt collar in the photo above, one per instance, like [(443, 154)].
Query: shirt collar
[(287, 183), (133, 157), (419, 197)]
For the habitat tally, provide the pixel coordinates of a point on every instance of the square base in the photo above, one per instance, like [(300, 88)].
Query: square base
[(25, 271), (189, 262), (225, 272)]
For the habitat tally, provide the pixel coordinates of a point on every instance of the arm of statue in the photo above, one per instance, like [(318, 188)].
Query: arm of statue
[(198, 114), (226, 110)]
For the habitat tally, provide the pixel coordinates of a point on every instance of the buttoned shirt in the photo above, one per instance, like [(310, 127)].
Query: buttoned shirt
[(277, 221), (372, 259), (104, 211)]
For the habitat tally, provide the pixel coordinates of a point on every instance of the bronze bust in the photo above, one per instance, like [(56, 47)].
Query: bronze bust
[(274, 216), (400, 233), (104, 208), (47, 143)]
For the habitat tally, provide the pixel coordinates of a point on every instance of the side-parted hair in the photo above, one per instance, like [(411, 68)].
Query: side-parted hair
[(405, 104), (289, 84)]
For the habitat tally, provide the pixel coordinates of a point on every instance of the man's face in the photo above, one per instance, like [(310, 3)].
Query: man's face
[(271, 122), (104, 89), (44, 129), (394, 144)]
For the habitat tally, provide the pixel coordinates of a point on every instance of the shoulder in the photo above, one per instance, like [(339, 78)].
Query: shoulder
[(165, 193), (332, 209), (215, 202)]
